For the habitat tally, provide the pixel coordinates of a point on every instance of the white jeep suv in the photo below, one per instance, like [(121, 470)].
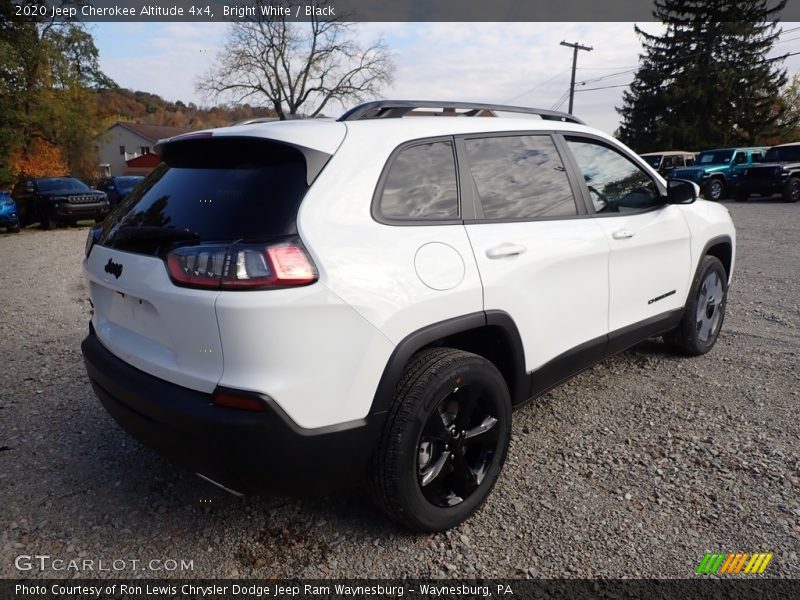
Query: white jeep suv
[(301, 304)]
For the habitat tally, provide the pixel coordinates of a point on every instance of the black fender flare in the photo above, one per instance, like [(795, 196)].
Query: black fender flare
[(717, 241), (519, 383)]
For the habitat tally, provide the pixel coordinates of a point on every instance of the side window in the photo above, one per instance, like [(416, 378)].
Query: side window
[(756, 157), (740, 158), (616, 184), (520, 177), (421, 184)]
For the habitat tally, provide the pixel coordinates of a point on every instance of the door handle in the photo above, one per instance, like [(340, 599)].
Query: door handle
[(505, 250), (622, 234)]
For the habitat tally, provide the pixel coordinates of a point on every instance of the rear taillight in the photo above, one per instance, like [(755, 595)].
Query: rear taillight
[(241, 266), (239, 400)]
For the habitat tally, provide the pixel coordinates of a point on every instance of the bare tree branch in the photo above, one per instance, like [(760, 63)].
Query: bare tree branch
[(296, 68)]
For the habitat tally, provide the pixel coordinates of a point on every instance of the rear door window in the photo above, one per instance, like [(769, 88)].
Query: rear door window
[(520, 177), (421, 184), (220, 190)]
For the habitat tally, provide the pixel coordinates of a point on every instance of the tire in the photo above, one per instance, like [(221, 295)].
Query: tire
[(791, 193), (715, 189), (704, 312), (14, 229), (425, 474)]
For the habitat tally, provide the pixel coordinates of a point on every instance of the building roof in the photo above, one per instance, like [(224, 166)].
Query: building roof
[(154, 132), (143, 161)]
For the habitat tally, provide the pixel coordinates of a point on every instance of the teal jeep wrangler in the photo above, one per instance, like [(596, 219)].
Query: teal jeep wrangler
[(713, 168)]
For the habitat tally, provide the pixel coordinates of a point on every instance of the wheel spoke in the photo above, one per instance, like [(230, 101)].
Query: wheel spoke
[(467, 401), (703, 329), (482, 431), (716, 290), (466, 478), (700, 313), (436, 428), (431, 473)]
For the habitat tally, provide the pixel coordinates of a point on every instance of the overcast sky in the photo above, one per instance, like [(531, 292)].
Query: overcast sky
[(515, 63)]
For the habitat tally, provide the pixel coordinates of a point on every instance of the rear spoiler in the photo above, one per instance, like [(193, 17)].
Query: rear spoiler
[(315, 159)]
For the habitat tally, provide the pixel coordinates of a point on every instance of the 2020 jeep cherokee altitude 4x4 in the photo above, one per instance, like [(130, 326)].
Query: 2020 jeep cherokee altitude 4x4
[(306, 303)]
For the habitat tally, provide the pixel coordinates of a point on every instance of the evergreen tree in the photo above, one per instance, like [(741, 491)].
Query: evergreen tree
[(706, 82)]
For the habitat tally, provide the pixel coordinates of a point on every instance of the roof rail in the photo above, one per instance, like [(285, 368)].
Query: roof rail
[(388, 109)]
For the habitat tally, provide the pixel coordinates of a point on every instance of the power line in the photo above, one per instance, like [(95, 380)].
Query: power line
[(635, 69), (536, 87), (605, 68), (557, 104), (789, 40), (605, 87), (673, 60), (608, 87)]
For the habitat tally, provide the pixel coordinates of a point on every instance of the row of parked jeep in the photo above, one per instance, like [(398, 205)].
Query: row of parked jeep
[(735, 172), (53, 201)]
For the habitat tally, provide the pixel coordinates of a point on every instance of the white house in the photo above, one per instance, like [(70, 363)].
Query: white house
[(124, 141)]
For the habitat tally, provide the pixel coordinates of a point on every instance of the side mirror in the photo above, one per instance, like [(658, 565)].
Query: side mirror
[(681, 191)]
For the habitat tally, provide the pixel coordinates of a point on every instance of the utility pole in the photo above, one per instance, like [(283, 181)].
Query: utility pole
[(575, 47)]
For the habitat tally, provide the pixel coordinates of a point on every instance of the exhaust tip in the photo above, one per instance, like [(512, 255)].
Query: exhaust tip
[(219, 485)]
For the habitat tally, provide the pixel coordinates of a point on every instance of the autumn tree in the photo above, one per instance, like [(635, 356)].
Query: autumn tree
[(297, 68), (47, 73), (706, 81)]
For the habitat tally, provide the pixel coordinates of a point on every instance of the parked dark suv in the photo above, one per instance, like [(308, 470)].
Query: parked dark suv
[(778, 173), (53, 200), (117, 188)]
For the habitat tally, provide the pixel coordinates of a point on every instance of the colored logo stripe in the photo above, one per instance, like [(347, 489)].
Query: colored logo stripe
[(733, 563)]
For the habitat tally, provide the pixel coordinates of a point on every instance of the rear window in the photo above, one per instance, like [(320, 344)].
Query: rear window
[(421, 184), (219, 189), (782, 154)]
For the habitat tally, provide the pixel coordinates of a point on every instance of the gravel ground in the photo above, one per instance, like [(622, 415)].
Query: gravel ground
[(635, 468)]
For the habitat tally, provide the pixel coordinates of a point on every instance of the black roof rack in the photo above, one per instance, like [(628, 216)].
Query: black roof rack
[(388, 109)]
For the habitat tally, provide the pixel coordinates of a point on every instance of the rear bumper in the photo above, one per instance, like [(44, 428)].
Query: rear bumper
[(241, 450)]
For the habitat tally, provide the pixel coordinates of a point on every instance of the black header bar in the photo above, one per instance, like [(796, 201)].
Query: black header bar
[(350, 10)]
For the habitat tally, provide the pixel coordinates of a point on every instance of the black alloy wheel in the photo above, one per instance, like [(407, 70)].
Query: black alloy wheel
[(444, 442), (458, 445)]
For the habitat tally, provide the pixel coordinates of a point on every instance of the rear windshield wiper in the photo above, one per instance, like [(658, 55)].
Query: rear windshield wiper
[(154, 233)]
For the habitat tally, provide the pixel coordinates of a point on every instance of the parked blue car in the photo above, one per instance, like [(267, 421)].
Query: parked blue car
[(9, 217)]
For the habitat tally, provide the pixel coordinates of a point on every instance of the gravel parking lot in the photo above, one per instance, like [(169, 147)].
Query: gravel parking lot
[(635, 468)]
